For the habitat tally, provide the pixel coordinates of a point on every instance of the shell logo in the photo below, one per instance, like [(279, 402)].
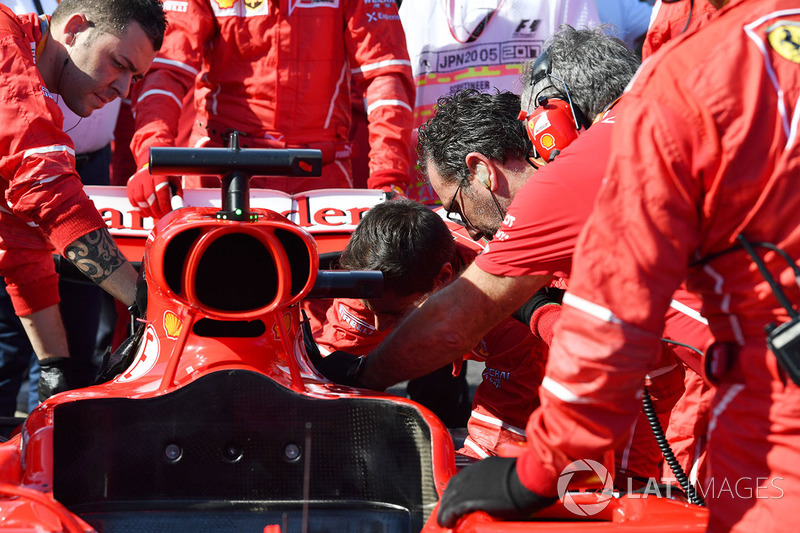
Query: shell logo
[(225, 4), (172, 324), (547, 141)]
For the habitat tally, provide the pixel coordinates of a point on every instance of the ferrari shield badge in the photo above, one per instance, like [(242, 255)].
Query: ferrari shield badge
[(253, 4), (784, 37)]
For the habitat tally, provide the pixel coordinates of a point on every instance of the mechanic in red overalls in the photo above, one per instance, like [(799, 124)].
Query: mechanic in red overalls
[(719, 207), (279, 74), (83, 57)]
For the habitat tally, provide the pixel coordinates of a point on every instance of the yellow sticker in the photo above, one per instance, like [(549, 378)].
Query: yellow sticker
[(287, 323), (225, 4), (172, 324), (785, 39)]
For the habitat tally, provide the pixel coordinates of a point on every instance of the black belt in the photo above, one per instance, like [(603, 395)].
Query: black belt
[(81, 160)]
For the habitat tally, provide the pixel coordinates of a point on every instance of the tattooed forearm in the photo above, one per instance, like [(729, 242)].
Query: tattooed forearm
[(96, 255)]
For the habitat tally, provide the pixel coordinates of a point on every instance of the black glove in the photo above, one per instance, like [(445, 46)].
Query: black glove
[(339, 367), (116, 363), (492, 486), (312, 350), (139, 307), (544, 296), (57, 375)]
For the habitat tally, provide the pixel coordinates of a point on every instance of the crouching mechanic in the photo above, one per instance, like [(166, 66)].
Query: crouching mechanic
[(418, 254), (87, 54), (719, 207)]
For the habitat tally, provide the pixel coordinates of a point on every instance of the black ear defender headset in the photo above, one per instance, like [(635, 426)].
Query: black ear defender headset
[(554, 122)]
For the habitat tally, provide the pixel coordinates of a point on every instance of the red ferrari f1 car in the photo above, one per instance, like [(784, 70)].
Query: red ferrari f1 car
[(213, 418)]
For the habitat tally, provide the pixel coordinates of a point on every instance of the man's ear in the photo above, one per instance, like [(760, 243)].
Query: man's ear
[(75, 24), (483, 169), (444, 277)]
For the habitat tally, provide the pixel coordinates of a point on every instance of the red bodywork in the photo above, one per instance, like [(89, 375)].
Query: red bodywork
[(187, 257)]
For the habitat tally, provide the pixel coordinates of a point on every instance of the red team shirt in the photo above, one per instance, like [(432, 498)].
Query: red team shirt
[(711, 122), (542, 224)]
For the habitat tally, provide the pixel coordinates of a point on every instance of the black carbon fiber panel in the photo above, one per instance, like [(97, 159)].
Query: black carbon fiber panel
[(229, 436), (320, 519)]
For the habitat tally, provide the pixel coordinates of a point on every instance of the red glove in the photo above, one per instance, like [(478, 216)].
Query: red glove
[(152, 194)]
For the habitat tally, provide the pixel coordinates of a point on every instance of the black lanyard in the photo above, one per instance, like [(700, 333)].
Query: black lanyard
[(478, 29)]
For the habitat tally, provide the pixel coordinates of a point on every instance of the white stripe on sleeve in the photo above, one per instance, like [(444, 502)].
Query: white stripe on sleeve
[(380, 64), (154, 92), (171, 62), (380, 103)]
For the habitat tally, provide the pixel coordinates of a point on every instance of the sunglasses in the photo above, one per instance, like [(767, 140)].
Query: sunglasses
[(454, 216)]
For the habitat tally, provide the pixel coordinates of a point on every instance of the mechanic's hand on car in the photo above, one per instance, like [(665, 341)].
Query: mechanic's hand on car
[(492, 486), (152, 194), (57, 375), (542, 297), (339, 367)]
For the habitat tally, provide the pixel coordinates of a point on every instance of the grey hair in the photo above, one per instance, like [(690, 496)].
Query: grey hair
[(595, 67)]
